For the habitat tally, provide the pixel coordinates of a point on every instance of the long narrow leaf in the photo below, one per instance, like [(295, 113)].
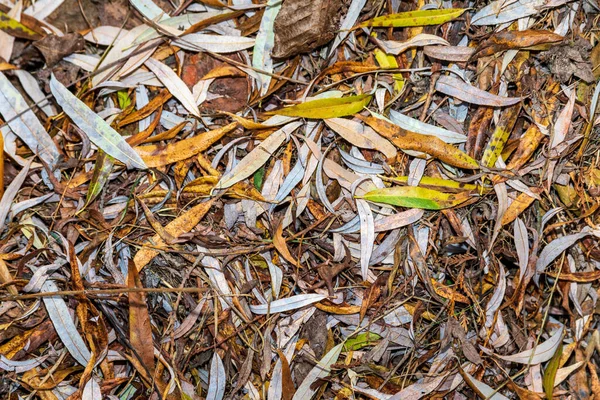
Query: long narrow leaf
[(99, 132)]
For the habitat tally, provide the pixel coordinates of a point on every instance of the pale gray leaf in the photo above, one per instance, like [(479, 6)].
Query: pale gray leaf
[(257, 157), (458, 88), (175, 85), (23, 122), (64, 325), (321, 370), (484, 389), (11, 192), (98, 130), (20, 366), (367, 235), (287, 304), (539, 354), (216, 384), (414, 125)]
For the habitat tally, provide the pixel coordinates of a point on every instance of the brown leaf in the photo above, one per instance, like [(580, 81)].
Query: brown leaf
[(507, 40), (140, 328), (287, 383), (281, 245), (55, 48)]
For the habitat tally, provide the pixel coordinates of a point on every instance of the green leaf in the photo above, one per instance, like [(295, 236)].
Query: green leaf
[(550, 372), (97, 129), (361, 340), (259, 177), (416, 197), (123, 98), (415, 18), (327, 108)]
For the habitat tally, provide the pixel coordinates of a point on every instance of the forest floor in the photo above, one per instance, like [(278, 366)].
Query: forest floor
[(251, 199)]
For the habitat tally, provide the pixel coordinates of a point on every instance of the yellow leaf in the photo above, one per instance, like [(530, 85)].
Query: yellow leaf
[(500, 136), (439, 184), (17, 29), (338, 309), (415, 18), (327, 108), (518, 205), (389, 61), (416, 197)]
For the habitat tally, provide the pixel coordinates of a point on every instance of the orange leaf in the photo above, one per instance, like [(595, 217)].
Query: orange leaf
[(180, 225), (155, 155), (281, 246)]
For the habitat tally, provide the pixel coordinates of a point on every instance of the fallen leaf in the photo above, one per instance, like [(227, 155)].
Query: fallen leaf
[(416, 197), (415, 18), (98, 131), (461, 90), (327, 108)]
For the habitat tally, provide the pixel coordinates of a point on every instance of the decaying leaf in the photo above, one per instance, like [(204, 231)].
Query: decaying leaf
[(433, 146)]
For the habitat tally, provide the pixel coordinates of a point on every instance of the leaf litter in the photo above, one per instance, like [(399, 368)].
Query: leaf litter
[(386, 200)]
